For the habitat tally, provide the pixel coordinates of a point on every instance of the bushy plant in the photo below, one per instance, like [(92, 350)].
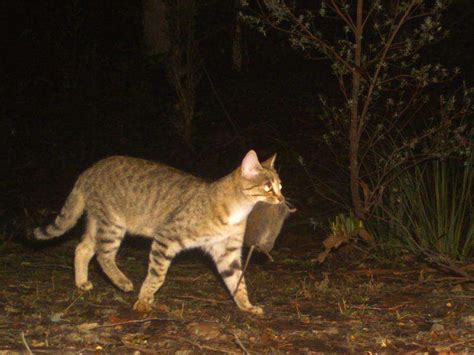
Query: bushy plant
[(395, 109), (346, 225), (431, 207)]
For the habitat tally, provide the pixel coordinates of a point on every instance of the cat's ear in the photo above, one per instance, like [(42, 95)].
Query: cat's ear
[(250, 165), (270, 162)]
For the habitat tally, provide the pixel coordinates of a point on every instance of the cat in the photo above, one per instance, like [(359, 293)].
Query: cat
[(264, 224), (176, 210)]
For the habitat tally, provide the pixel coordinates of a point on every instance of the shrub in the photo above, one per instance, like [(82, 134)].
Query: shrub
[(431, 208)]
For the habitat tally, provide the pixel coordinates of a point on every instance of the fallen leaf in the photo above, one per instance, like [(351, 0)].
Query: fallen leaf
[(162, 307), (469, 320), (113, 319), (87, 326), (457, 289), (443, 349), (437, 327), (119, 298), (11, 309), (331, 331), (37, 343), (334, 240), (56, 317), (322, 256), (366, 236), (331, 242)]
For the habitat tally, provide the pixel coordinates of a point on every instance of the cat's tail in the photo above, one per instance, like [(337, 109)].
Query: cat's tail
[(67, 218)]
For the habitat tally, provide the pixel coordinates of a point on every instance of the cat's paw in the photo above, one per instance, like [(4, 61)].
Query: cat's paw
[(85, 286), (142, 306), (125, 285), (255, 310)]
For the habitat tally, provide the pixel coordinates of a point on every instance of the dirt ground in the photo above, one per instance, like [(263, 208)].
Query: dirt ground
[(349, 304)]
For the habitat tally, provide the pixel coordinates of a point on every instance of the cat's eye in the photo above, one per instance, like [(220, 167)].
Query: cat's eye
[(268, 187), (280, 186)]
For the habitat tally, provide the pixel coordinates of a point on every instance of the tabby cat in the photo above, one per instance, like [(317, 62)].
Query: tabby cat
[(176, 210)]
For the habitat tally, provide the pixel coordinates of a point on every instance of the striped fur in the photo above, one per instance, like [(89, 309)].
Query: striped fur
[(67, 218), (176, 210)]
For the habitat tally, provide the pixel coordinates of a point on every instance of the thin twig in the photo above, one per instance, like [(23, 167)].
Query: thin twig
[(245, 268), (389, 271), (200, 346), (40, 266), (450, 279), (72, 303), (210, 300), (135, 321), (239, 343), (221, 103), (23, 339), (462, 342), (444, 263)]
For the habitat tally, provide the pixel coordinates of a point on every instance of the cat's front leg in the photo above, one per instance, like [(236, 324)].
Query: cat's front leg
[(241, 297), (227, 256), (160, 259)]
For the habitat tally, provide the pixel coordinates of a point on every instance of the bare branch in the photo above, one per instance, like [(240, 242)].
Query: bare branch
[(343, 15), (387, 47)]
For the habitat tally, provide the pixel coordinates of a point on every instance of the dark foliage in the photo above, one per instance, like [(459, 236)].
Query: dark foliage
[(76, 87)]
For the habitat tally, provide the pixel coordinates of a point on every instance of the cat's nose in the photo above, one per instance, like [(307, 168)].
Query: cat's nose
[(280, 198)]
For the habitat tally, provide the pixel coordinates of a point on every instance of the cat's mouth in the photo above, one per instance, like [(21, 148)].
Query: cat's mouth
[(276, 200)]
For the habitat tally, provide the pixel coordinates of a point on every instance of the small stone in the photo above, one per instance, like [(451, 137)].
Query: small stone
[(205, 330), (305, 319), (332, 331), (162, 307), (56, 317), (437, 327), (468, 320)]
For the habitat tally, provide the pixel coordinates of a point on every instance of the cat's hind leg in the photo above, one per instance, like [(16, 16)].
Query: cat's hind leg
[(85, 250), (109, 237)]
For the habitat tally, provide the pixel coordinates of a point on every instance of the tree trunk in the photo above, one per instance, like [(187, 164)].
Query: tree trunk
[(354, 132), (237, 40), (155, 27), (184, 65)]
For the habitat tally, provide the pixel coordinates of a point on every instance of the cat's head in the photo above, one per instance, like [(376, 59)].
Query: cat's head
[(260, 181)]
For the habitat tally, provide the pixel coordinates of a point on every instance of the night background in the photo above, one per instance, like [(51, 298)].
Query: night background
[(81, 82)]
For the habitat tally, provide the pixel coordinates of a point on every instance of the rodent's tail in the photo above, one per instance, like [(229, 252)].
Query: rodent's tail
[(70, 213)]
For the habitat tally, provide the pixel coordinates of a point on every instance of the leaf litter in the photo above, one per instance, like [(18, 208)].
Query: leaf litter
[(343, 305)]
